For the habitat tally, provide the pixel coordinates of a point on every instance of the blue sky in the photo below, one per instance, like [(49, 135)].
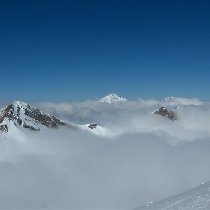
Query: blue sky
[(75, 50)]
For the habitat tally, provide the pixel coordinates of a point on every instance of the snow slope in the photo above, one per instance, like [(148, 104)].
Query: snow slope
[(21, 115), (197, 198), (18, 117)]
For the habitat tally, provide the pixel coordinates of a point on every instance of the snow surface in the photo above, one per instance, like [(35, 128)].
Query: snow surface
[(99, 130), (197, 198), (13, 126), (17, 131), (20, 104), (180, 101), (112, 98)]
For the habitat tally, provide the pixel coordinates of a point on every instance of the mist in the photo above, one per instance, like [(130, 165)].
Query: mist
[(145, 158)]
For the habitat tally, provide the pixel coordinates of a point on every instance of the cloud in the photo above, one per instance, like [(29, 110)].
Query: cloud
[(137, 117), (182, 101), (147, 158)]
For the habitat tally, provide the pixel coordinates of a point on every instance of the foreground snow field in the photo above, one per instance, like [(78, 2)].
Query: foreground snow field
[(197, 198)]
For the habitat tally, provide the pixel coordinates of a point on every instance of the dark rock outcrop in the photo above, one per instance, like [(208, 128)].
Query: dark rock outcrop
[(44, 119), (3, 128), (92, 125), (164, 112)]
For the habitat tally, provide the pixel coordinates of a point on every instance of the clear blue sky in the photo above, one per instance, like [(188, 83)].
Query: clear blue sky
[(74, 50)]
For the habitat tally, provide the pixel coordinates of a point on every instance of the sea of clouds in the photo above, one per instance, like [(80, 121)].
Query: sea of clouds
[(143, 158)]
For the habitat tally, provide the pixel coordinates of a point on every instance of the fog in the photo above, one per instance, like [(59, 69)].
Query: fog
[(146, 157)]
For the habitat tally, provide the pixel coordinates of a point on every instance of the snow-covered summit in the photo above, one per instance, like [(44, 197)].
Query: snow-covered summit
[(19, 116), (178, 101), (168, 99), (164, 112), (22, 115), (112, 98), (20, 104)]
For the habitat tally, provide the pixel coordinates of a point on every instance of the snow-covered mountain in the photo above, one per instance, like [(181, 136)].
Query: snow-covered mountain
[(21, 115), (112, 98), (18, 116), (164, 112), (169, 107), (168, 99), (177, 101), (197, 198)]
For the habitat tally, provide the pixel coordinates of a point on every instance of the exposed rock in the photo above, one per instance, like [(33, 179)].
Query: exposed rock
[(164, 112), (30, 127), (92, 125), (7, 112), (44, 119), (3, 128), (21, 114)]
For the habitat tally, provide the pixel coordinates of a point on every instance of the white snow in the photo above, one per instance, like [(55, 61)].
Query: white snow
[(112, 98), (197, 198), (16, 129), (99, 130), (20, 104), (175, 101)]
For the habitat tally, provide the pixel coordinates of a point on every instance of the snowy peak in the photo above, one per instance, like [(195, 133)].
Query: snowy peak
[(112, 98), (20, 114), (168, 99), (164, 112), (178, 101), (20, 104)]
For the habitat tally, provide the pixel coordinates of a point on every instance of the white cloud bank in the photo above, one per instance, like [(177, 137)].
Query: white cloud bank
[(147, 157)]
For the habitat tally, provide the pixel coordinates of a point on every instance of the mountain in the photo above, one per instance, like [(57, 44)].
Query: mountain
[(197, 198), (164, 112), (21, 115), (178, 101), (169, 108), (168, 99), (112, 98)]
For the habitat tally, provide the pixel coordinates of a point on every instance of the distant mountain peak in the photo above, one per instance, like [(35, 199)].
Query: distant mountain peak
[(21, 114), (168, 99), (164, 112), (112, 98)]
